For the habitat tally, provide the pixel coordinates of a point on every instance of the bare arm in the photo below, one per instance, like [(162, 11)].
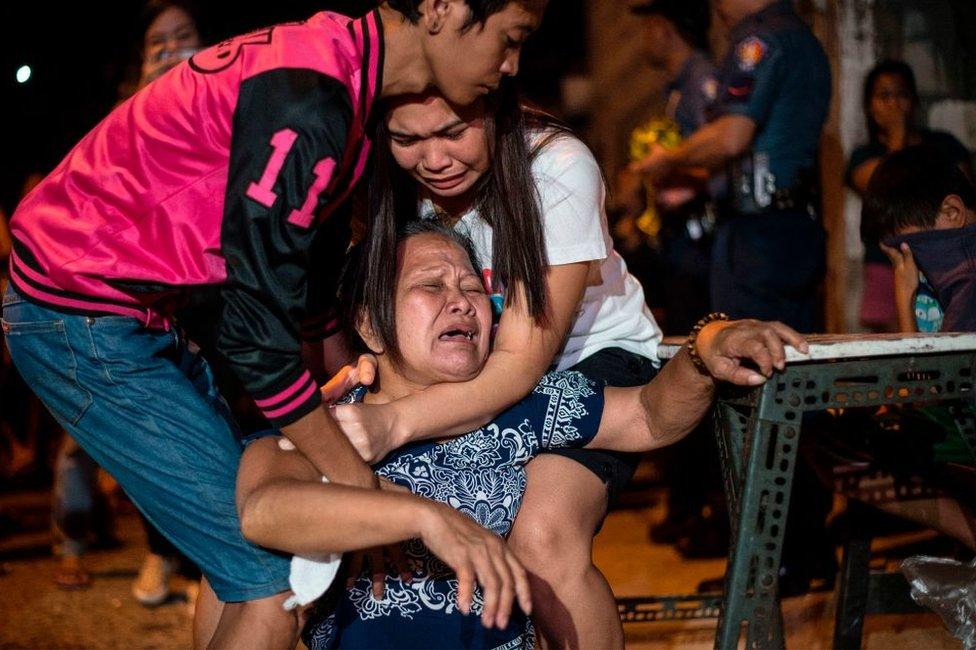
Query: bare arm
[(667, 409), (523, 351), (283, 505), (318, 437), (906, 285), (711, 146), (862, 174)]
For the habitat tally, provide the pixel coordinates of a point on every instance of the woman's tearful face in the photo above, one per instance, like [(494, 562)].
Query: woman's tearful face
[(443, 315), (442, 148)]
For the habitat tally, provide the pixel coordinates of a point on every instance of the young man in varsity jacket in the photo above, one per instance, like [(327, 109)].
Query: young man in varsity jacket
[(223, 181)]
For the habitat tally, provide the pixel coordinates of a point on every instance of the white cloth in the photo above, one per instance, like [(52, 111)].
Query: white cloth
[(572, 193), (310, 576)]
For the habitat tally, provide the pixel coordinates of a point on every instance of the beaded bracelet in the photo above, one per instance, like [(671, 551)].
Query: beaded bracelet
[(693, 339)]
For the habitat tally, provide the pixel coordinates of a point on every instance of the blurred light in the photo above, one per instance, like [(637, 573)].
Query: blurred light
[(23, 74)]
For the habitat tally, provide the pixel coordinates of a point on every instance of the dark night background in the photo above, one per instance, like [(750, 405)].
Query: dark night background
[(80, 52)]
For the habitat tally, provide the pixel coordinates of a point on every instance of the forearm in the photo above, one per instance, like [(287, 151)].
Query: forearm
[(714, 144), (506, 378), (302, 517), (906, 314), (676, 401), (657, 414), (319, 438)]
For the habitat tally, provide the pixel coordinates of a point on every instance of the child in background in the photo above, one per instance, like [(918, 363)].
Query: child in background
[(923, 208)]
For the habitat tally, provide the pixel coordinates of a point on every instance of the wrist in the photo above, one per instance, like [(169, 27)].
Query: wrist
[(701, 336), (428, 517), (400, 426)]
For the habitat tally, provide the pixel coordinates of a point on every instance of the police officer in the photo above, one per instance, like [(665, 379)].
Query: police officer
[(676, 41), (768, 255)]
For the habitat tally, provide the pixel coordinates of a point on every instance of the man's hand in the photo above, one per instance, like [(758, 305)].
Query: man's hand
[(724, 345), (348, 377), (477, 554), (371, 428), (655, 166)]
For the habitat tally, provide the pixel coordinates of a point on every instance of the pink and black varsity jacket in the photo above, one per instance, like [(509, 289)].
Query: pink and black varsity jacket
[(219, 178)]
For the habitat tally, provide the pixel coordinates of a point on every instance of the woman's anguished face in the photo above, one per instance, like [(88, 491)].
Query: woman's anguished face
[(173, 30), (443, 315), (443, 148), (467, 63)]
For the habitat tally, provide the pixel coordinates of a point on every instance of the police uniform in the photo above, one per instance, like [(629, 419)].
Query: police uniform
[(768, 255), (686, 231)]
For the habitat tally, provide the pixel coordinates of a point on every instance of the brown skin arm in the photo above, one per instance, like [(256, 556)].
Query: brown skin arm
[(669, 407), (318, 437)]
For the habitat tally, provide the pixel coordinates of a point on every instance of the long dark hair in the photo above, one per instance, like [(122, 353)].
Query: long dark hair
[(897, 69), (505, 197)]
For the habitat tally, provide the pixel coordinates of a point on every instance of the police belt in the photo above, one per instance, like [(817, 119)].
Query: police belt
[(753, 188), (799, 198), (694, 220)]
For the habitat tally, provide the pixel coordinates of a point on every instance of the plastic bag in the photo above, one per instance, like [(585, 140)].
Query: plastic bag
[(948, 588)]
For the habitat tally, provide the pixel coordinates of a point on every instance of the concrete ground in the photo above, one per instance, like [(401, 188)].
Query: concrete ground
[(35, 614)]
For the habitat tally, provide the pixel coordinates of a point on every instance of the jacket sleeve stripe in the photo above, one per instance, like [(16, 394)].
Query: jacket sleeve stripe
[(300, 399), (286, 394)]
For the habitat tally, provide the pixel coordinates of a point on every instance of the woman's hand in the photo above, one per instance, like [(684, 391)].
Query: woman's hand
[(348, 377), (724, 345), (371, 428), (477, 554)]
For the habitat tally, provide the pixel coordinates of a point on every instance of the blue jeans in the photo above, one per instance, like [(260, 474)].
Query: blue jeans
[(146, 409)]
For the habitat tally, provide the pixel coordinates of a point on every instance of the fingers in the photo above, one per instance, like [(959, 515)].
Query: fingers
[(790, 336), (399, 560), (465, 576), (522, 590), (893, 254), (340, 384), (366, 369), (775, 347), (507, 585), (355, 569), (742, 376), (378, 569), (907, 254), (490, 583), (755, 349)]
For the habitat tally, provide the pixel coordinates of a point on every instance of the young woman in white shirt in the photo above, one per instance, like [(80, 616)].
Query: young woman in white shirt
[(530, 195)]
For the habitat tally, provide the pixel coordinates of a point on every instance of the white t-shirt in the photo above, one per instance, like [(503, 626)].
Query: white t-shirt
[(572, 193)]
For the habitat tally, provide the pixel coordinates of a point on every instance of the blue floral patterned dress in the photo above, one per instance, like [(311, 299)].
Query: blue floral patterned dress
[(481, 474)]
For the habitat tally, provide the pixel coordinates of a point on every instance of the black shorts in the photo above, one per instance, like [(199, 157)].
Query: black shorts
[(611, 367)]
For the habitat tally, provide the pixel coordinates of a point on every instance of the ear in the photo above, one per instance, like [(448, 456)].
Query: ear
[(365, 330), (953, 213), (436, 14)]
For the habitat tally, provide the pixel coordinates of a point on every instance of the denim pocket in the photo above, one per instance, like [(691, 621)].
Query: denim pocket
[(44, 358)]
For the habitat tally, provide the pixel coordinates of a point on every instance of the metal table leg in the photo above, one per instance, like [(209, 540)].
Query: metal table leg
[(759, 521)]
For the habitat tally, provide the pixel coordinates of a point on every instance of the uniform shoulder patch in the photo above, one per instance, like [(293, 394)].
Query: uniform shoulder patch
[(750, 52)]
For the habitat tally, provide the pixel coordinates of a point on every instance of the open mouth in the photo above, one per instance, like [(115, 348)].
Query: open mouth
[(446, 183), (458, 335)]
